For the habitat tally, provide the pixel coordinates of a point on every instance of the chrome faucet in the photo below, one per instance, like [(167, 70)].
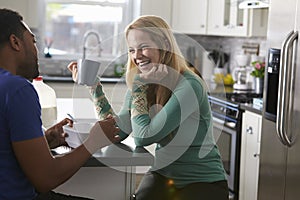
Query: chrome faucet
[(85, 37)]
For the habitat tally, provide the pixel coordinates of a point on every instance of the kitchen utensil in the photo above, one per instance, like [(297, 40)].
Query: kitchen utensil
[(71, 117), (220, 58)]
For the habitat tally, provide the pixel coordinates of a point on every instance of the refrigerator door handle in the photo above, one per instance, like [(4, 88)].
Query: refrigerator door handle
[(281, 90), (285, 88), (290, 88)]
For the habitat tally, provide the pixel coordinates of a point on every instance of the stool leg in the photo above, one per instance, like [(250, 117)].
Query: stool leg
[(133, 197)]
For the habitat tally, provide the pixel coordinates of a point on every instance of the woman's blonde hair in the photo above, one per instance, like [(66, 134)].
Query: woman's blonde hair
[(170, 55)]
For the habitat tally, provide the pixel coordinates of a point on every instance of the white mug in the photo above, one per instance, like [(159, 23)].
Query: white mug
[(87, 71)]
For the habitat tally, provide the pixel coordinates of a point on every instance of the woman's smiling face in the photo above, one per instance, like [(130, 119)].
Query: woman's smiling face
[(142, 50)]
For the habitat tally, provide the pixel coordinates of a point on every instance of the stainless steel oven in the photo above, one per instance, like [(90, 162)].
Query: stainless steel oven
[(227, 119)]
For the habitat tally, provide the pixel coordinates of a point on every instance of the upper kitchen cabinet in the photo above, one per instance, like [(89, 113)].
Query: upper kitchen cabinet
[(218, 17), (29, 9), (226, 19), (157, 7), (190, 16)]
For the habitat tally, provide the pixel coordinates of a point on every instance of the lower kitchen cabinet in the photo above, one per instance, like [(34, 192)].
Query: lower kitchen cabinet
[(100, 183), (250, 149)]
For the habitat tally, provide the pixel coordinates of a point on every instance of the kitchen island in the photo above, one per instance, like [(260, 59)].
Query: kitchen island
[(111, 172)]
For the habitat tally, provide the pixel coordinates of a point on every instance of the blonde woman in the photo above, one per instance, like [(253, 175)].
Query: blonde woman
[(166, 105)]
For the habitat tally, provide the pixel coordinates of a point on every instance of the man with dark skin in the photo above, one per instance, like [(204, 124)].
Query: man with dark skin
[(27, 167)]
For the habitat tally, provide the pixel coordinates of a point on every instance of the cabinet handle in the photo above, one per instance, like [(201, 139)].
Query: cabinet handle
[(249, 130), (256, 155), (202, 26)]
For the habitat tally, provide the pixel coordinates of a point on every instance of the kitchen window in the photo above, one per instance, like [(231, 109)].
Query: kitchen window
[(68, 20)]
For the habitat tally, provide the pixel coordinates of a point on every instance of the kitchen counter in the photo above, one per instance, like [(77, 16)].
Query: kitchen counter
[(55, 69), (69, 79), (121, 154), (237, 96), (111, 172), (251, 107), (256, 106)]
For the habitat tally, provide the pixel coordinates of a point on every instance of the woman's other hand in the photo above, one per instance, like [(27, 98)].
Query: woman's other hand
[(156, 74)]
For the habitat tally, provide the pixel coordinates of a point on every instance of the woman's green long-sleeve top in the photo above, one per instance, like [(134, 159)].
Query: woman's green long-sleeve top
[(186, 150)]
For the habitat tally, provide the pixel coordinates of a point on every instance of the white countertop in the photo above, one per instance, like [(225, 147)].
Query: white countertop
[(123, 154), (81, 108)]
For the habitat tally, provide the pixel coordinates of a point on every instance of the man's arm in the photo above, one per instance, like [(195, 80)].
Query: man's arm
[(46, 171)]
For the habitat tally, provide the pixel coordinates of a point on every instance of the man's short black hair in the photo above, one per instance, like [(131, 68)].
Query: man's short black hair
[(10, 23)]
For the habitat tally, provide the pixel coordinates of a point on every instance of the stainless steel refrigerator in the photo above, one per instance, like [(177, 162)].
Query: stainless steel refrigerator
[(279, 176)]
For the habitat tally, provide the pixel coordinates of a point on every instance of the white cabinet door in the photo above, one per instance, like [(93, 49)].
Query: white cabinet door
[(189, 16), (31, 10), (157, 7), (226, 19), (250, 149)]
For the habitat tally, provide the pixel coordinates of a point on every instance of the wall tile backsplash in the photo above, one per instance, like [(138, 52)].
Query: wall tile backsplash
[(230, 45)]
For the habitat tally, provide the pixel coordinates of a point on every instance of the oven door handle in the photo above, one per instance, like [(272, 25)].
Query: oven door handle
[(220, 124)]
